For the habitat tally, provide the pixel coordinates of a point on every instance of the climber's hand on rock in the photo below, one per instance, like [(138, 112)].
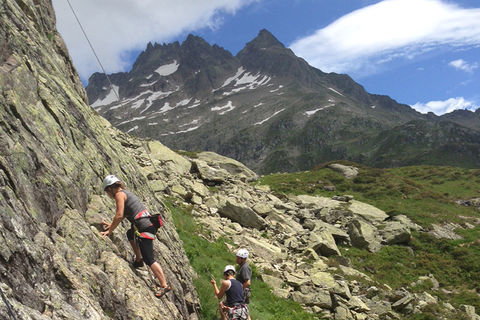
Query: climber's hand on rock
[(106, 225), (105, 233)]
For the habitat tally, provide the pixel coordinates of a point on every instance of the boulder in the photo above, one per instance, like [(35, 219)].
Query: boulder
[(157, 185), (348, 271), (363, 235), (366, 211), (312, 202), (296, 280), (401, 304), (274, 282), (403, 219), (323, 279), (242, 214), (214, 167), (338, 234), (169, 160), (394, 232), (348, 172), (470, 311), (263, 209), (262, 248), (200, 189), (324, 244), (179, 190), (320, 298), (284, 223), (343, 313)]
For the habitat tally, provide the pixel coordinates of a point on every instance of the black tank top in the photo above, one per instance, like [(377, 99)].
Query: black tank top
[(133, 205), (235, 293)]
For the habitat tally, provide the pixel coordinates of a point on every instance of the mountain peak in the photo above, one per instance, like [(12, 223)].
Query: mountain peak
[(265, 39), (193, 40)]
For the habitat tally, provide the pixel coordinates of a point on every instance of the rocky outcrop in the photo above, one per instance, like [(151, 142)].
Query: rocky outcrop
[(348, 172), (217, 168), (54, 152)]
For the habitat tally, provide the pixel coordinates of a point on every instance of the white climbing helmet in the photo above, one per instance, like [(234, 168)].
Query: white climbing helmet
[(242, 253), (228, 268), (109, 180)]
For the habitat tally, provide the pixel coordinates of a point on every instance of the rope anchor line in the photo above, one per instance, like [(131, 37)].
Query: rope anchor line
[(93, 49)]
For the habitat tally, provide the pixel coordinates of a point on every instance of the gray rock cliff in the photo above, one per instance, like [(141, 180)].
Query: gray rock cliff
[(54, 152)]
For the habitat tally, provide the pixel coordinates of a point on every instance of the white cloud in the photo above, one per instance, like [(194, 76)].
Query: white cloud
[(442, 107), (463, 65), (361, 41), (116, 27)]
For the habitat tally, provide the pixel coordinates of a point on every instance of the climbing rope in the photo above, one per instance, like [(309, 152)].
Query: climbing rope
[(93, 49), (9, 307)]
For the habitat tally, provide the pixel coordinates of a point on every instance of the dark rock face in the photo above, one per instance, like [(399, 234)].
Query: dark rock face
[(267, 108), (54, 152)]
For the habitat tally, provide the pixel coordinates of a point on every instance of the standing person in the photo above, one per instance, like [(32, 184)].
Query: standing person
[(244, 274), (142, 232), (234, 308)]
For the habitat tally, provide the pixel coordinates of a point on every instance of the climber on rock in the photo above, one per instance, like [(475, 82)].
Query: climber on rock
[(142, 231), (234, 307)]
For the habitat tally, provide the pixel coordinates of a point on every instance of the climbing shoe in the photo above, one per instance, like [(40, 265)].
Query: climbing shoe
[(162, 291), (137, 264)]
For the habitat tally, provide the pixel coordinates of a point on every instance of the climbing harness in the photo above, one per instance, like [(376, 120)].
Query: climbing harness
[(236, 312), (9, 307)]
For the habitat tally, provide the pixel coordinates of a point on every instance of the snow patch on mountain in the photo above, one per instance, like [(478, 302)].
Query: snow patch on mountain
[(190, 123), (132, 129), (183, 102), (138, 104), (131, 120), (166, 107), (181, 131), (275, 90), (244, 80), (224, 109), (336, 91), (148, 84), (229, 80), (195, 104), (312, 112), (109, 98), (168, 69), (265, 120)]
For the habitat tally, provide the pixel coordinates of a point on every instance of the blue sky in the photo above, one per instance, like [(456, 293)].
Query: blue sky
[(425, 53)]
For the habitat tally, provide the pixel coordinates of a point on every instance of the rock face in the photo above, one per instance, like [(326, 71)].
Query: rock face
[(54, 152)]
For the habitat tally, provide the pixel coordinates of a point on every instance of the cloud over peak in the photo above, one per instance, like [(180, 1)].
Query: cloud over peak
[(364, 39), (116, 27), (446, 106)]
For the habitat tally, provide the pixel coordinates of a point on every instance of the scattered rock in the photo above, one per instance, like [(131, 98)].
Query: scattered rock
[(446, 231)]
